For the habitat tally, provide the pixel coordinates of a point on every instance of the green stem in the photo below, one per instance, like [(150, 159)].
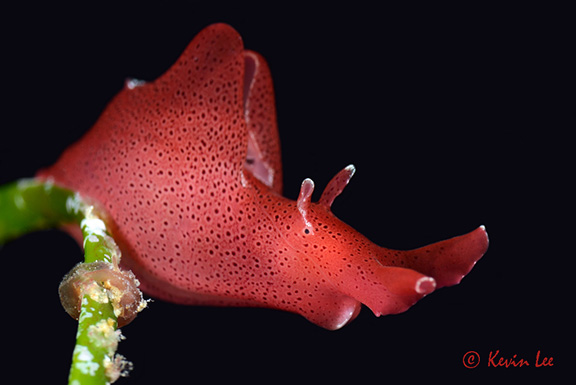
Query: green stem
[(96, 341), (30, 205), (94, 360)]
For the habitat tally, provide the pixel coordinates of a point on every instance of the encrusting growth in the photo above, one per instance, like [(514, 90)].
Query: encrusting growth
[(120, 288), (100, 268)]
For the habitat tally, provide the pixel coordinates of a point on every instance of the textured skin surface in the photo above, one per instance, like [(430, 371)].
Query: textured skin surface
[(188, 171)]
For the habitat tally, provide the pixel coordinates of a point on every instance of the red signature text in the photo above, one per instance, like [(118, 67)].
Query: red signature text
[(495, 359)]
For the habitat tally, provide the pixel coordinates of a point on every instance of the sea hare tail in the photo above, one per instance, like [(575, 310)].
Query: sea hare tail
[(450, 260)]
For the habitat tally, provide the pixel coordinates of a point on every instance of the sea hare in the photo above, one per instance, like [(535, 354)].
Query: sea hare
[(187, 169)]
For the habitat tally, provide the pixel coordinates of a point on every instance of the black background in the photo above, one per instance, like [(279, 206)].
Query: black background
[(453, 116)]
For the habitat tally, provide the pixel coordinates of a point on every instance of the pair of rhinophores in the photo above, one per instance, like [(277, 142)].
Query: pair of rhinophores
[(187, 170)]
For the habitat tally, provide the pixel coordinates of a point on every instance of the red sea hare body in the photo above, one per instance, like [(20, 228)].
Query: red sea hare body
[(187, 169)]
